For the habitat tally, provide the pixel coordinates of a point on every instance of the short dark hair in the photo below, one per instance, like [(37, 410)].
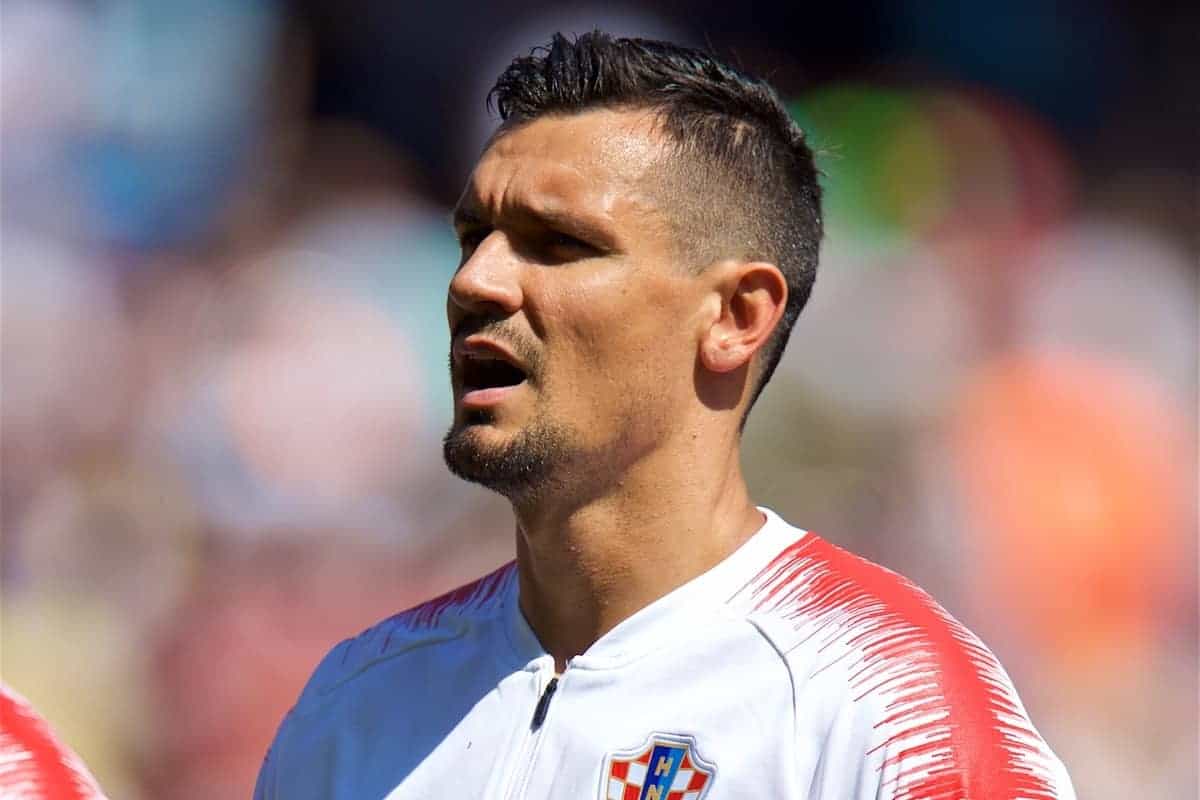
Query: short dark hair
[(746, 184)]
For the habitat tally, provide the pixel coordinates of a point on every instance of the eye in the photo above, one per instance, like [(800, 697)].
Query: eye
[(471, 238), (565, 247), (566, 240)]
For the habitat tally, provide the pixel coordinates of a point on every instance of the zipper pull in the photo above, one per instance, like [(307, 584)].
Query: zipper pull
[(539, 713)]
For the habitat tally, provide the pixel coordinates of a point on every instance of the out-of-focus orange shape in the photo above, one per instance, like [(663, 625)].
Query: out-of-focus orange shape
[(1075, 473)]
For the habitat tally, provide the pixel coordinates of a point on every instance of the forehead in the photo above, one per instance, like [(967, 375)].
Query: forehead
[(593, 161)]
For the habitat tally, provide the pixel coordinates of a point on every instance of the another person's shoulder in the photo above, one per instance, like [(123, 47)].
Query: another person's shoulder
[(889, 683), (33, 762), (448, 620)]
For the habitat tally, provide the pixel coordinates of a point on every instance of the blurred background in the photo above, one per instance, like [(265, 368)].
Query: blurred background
[(225, 254)]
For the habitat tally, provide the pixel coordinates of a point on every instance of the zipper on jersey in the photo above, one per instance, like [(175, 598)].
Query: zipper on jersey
[(543, 706), (527, 753)]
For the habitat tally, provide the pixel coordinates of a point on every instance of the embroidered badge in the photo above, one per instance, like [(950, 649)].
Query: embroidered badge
[(665, 767)]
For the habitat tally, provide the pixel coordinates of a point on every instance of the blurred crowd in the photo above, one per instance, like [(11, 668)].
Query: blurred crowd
[(224, 366)]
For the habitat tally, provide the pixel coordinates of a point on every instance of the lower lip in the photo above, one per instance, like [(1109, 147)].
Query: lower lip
[(479, 398)]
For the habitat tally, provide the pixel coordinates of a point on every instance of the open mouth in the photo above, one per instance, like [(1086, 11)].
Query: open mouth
[(489, 373)]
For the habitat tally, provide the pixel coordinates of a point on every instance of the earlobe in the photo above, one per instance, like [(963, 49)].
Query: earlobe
[(717, 356)]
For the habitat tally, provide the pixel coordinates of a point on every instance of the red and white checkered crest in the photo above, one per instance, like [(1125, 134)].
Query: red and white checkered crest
[(665, 767)]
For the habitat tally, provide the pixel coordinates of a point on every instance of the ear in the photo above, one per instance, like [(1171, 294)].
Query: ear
[(752, 298)]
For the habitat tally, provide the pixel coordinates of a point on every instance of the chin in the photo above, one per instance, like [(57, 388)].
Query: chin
[(513, 463), (476, 451)]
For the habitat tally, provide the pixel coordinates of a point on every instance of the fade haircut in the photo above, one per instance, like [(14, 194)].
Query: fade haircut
[(740, 181)]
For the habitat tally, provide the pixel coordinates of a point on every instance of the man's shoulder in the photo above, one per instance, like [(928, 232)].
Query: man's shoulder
[(821, 594), (830, 610), (885, 660), (395, 682), (448, 618)]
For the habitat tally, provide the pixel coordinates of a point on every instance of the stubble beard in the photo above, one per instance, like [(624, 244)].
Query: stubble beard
[(526, 469)]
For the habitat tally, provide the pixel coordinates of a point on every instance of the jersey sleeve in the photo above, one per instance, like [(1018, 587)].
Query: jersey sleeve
[(934, 739), (943, 716)]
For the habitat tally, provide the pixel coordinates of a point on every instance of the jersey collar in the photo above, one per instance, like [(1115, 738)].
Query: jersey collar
[(670, 618)]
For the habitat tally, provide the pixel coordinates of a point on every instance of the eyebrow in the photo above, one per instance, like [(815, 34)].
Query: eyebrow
[(465, 216)]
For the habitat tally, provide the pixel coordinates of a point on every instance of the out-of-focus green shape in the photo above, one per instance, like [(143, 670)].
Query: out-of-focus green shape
[(884, 172)]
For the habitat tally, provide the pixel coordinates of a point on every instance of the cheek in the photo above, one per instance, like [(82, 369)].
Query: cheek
[(585, 316), (604, 329)]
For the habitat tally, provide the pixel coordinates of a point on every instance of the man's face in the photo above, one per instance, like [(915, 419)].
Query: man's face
[(569, 264)]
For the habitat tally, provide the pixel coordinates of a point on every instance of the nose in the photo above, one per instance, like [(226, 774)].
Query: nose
[(487, 283)]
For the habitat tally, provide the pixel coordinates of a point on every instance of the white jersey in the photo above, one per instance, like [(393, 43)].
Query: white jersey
[(792, 669)]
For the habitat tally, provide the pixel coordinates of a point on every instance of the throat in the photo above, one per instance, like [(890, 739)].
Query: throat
[(573, 594), (579, 581)]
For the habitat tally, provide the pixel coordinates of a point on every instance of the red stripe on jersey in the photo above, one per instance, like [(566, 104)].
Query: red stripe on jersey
[(33, 765), (473, 595), (428, 614), (945, 694)]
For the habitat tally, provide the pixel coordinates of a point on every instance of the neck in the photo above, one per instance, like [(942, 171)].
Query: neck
[(585, 568)]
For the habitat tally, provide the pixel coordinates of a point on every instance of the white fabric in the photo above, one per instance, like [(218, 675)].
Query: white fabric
[(791, 669)]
